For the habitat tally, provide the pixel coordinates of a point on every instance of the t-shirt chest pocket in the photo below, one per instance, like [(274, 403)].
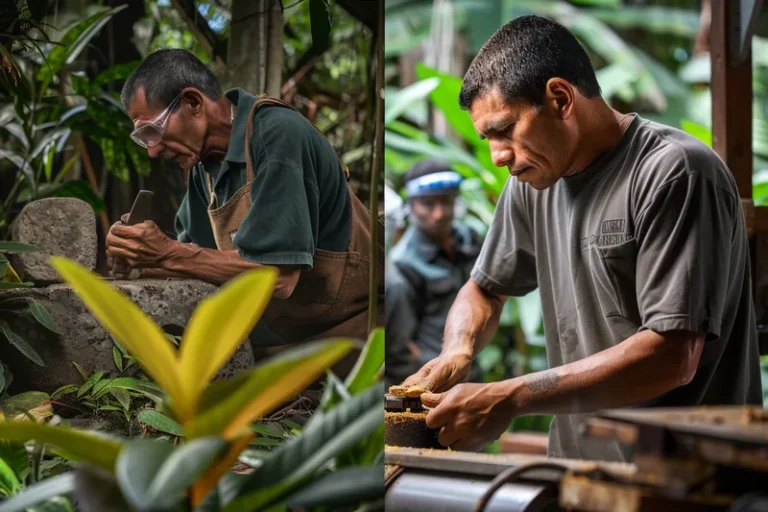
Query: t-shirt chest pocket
[(613, 274)]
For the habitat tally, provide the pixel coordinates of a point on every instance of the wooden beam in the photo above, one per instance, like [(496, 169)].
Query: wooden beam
[(731, 96)]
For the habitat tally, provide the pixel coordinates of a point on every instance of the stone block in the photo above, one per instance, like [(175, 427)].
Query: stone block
[(83, 340), (59, 226)]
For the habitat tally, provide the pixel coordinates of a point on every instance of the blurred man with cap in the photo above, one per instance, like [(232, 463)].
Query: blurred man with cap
[(426, 269)]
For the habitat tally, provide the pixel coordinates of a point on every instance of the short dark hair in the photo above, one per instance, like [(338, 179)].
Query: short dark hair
[(522, 56), (426, 167), (165, 73)]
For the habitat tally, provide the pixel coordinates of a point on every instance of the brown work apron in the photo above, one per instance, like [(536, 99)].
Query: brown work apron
[(331, 299)]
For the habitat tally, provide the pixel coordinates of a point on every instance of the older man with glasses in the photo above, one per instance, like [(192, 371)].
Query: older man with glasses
[(264, 188)]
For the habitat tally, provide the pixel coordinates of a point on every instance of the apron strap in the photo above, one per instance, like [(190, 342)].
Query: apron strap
[(261, 101), (211, 195)]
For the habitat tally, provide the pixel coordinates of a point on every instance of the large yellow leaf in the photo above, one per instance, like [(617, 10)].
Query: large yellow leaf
[(220, 323), (127, 322), (225, 409)]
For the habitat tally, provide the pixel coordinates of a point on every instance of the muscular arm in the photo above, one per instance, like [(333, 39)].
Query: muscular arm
[(472, 320), (220, 266), (145, 246), (642, 367)]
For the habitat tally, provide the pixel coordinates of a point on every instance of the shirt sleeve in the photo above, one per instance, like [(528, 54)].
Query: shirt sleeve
[(401, 322), (507, 261), (685, 236), (278, 228)]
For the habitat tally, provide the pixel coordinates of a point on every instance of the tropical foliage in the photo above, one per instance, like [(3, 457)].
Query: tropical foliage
[(343, 441), (11, 308)]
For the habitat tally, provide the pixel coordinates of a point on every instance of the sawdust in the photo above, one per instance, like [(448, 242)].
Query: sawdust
[(410, 392), (396, 418)]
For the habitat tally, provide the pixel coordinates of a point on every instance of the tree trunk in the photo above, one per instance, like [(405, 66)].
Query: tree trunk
[(255, 53)]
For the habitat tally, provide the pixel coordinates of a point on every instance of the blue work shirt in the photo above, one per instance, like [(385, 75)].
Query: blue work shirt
[(421, 285)]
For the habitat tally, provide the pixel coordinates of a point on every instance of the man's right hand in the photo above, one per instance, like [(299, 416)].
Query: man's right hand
[(442, 372)]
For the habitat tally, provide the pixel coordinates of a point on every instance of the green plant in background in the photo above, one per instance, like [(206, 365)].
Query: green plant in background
[(12, 308), (335, 461), (45, 108)]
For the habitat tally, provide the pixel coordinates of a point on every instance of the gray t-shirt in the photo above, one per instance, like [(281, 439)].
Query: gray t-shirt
[(650, 236)]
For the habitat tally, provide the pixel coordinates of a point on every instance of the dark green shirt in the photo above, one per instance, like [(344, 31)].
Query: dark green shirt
[(299, 198)]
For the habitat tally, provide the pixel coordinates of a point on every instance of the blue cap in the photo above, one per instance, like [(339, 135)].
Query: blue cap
[(434, 184)]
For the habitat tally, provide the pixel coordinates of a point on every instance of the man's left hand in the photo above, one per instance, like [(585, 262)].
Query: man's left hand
[(142, 245), (470, 416)]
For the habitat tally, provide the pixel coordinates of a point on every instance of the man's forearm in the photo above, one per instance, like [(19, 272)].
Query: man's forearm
[(640, 368), (214, 266), (472, 320)]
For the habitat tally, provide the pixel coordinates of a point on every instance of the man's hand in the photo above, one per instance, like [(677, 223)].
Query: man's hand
[(469, 416), (140, 246), (442, 373)]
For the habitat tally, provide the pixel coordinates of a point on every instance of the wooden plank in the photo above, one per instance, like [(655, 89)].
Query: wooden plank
[(731, 97), (760, 220)]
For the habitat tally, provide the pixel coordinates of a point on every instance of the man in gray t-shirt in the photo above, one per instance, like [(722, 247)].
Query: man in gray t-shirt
[(632, 232)]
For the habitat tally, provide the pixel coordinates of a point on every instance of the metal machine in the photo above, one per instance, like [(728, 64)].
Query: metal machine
[(696, 459)]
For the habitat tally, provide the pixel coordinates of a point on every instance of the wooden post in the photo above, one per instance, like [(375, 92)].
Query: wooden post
[(731, 96), (255, 55)]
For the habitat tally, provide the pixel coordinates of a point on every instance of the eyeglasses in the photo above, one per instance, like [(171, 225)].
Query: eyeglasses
[(150, 133)]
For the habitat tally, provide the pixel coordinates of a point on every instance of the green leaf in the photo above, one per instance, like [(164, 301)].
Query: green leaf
[(24, 402), (182, 468), (267, 430), (264, 388), (3, 265), (300, 457), (265, 441), (4, 285), (96, 377), (99, 450), (80, 370), (80, 189), (9, 482), (15, 455), (341, 489), (115, 158), (122, 396), (15, 247), (116, 72), (74, 41), (403, 100), (160, 421), (117, 357), (367, 367), (48, 488), (445, 97), (42, 316), (64, 390), (137, 465), (21, 345), (320, 24)]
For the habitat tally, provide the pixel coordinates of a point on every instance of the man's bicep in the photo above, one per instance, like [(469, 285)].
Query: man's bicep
[(686, 256)]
